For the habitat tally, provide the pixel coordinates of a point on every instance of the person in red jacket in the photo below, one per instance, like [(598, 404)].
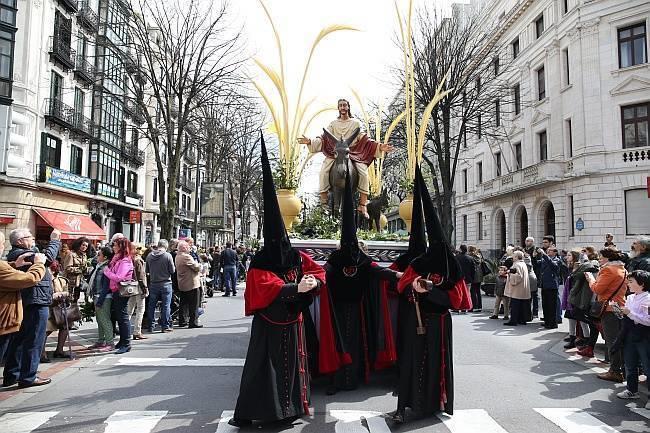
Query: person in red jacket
[(432, 284), (280, 287)]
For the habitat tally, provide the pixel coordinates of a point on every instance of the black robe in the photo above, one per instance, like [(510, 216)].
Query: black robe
[(360, 311), (275, 380), (426, 381)]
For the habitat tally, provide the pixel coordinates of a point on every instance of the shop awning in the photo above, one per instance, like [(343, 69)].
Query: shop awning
[(72, 226)]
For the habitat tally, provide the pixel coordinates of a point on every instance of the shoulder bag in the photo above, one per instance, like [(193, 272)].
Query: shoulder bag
[(129, 288), (597, 308)]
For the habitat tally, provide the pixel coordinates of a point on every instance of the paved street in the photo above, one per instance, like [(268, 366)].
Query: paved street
[(507, 380)]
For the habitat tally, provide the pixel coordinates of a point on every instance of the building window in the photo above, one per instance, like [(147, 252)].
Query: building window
[(495, 62), (105, 168), (565, 7), (568, 130), (541, 84), (154, 197), (122, 177), (632, 45), (518, 156), (479, 225), (497, 160), (132, 182), (567, 70), (50, 150), (635, 120), (543, 146), (465, 180), (8, 13), (56, 86), (572, 225), (497, 112), (637, 209), (76, 159), (539, 26), (517, 98), (515, 48), (79, 100), (479, 172), (464, 227)]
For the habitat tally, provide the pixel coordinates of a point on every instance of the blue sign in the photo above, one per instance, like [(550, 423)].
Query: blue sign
[(580, 224), (65, 179), (184, 234)]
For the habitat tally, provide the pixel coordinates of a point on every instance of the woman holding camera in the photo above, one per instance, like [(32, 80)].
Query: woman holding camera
[(518, 290)]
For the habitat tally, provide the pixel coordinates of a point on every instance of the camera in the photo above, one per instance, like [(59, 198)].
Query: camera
[(512, 270)]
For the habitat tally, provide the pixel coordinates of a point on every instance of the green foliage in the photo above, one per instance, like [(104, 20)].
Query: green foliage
[(87, 311), (492, 276), (285, 176)]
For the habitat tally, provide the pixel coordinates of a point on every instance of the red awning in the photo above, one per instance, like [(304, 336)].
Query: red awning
[(72, 226)]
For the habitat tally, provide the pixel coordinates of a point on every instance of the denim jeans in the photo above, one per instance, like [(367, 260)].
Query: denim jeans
[(636, 351), (24, 352), (163, 293), (535, 297), (230, 275), (120, 308)]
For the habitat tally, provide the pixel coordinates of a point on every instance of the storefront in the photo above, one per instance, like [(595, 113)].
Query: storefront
[(71, 225)]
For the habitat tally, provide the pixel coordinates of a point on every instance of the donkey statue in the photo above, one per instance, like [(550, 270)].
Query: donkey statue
[(342, 163), (375, 206)]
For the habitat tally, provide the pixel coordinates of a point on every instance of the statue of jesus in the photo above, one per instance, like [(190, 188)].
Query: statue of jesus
[(363, 151)]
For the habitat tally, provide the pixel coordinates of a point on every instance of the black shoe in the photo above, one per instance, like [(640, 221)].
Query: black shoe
[(7, 383), (234, 293), (510, 324), (225, 295), (235, 422), (181, 325), (570, 345), (398, 417), (493, 317), (550, 326), (195, 326), (569, 338), (331, 390), (45, 360), (61, 355)]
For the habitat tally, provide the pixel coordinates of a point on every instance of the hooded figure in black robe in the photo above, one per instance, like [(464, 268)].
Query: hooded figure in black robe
[(432, 283), (280, 285), (359, 307)]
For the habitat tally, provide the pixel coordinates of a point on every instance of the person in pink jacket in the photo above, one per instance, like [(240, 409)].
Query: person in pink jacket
[(121, 269)]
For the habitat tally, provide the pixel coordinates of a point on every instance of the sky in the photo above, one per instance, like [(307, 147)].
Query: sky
[(344, 60)]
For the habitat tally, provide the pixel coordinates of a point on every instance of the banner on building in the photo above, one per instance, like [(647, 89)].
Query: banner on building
[(135, 217), (65, 179), (213, 205)]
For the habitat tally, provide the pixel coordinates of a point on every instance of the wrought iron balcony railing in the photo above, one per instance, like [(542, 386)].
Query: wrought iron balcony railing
[(83, 127), (84, 70), (58, 113), (62, 53), (132, 153), (87, 17), (69, 5)]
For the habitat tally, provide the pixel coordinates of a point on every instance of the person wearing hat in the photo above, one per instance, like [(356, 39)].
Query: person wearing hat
[(356, 307), (432, 284), (280, 286)]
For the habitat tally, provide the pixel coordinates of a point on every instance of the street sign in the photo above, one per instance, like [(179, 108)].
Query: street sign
[(580, 224)]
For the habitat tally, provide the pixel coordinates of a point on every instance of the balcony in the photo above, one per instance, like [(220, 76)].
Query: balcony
[(187, 183), (83, 127), (130, 107), (131, 197), (61, 53), (69, 5), (131, 152), (185, 214), (87, 17), (84, 70), (529, 177), (59, 114)]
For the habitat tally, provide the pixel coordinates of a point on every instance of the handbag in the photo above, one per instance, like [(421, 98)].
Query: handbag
[(129, 288), (597, 308), (485, 269), (66, 310)]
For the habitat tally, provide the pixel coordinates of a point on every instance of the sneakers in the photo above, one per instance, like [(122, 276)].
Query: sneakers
[(587, 352), (611, 377), (628, 395)]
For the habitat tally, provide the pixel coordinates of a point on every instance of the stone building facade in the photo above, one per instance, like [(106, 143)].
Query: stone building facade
[(576, 160)]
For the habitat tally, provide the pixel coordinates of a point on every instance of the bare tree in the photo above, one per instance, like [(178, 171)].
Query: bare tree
[(479, 104), (188, 56)]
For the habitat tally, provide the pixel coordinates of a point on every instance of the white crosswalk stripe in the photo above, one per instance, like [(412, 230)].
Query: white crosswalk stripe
[(24, 422), (569, 420), (471, 421), (573, 420), (126, 421), (180, 362)]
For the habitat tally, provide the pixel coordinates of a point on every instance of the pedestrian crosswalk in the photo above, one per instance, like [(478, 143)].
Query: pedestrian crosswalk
[(568, 420)]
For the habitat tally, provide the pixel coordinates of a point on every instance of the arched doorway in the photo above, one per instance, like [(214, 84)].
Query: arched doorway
[(500, 230), (547, 214), (521, 225)]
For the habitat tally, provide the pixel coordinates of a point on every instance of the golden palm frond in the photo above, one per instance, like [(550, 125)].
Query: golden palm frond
[(427, 114), (393, 125)]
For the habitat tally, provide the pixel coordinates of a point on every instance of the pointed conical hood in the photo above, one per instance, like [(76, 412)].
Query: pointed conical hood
[(439, 258), (277, 254), (417, 238), (349, 254)]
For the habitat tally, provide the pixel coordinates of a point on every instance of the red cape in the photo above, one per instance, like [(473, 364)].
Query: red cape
[(363, 152), (458, 295), (262, 287)]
